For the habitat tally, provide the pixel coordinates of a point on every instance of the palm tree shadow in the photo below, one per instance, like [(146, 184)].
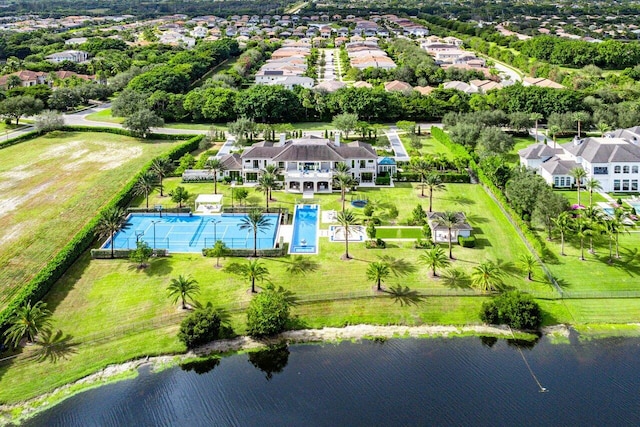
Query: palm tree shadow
[(404, 296), (53, 346), (463, 201), (454, 278), (158, 267)]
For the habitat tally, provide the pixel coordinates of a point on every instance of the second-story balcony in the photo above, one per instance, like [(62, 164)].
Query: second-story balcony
[(309, 174)]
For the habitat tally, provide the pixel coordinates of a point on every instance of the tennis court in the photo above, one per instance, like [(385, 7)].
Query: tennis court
[(185, 233)]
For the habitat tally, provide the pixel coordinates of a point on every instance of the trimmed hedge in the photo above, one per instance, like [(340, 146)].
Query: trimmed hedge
[(19, 139), (443, 138), (38, 287), (467, 242), (120, 131), (123, 253), (446, 177), (246, 253)]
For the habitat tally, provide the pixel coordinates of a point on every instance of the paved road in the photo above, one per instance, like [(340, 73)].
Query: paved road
[(396, 144), (541, 136)]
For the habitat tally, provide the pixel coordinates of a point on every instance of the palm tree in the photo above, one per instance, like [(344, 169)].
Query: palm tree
[(535, 117), (602, 128), (377, 272), (255, 221), (216, 166), (595, 216), (422, 168), (450, 220), (218, 250), (266, 182), (528, 264), (341, 167), (554, 130), (612, 228), (592, 184), (161, 167), (619, 217), (26, 322), (578, 174), (434, 258), (252, 270), (583, 229), (347, 220), (486, 276), (579, 117), (563, 223), (110, 222), (145, 185), (183, 288), (343, 180), (433, 183), (273, 170)]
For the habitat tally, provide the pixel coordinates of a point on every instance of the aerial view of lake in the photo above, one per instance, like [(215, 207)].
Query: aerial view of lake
[(440, 381)]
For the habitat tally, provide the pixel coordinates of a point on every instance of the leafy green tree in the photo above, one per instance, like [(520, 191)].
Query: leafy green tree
[(183, 288), (241, 129), (252, 270), (128, 102), (434, 258), (434, 183), (549, 205), (486, 276), (217, 167), (27, 322), (161, 167), (18, 106), (110, 222), (141, 254), (578, 174), (13, 81), (240, 194), (179, 195), (257, 222), (450, 220), (141, 122), (465, 134), (563, 224), (268, 313), (145, 185), (345, 123), (348, 221), (218, 250), (514, 308), (269, 104), (522, 191), (165, 78), (494, 141), (377, 272), (200, 327), (407, 126)]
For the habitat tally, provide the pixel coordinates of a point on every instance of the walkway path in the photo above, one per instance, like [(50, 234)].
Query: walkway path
[(396, 144)]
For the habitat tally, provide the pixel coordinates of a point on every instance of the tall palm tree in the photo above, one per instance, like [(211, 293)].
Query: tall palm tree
[(433, 183), (255, 221), (343, 180), (611, 228), (161, 167), (536, 117), (579, 117), (266, 182), (619, 217), (145, 185), (26, 322), (422, 167), (582, 227), (486, 276), (217, 167), (347, 220), (273, 170), (578, 174), (341, 167), (183, 288), (554, 130), (434, 258), (528, 264), (595, 216), (252, 270), (377, 272), (592, 184), (110, 222), (563, 224), (450, 220)]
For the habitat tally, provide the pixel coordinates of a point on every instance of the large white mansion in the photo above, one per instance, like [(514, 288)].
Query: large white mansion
[(614, 160)]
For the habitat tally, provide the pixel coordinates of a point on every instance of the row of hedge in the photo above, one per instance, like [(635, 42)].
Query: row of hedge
[(456, 149), (38, 287), (247, 253), (18, 139), (446, 177), (123, 253), (120, 131)]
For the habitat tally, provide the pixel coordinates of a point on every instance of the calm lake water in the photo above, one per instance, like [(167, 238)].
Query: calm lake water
[(456, 381)]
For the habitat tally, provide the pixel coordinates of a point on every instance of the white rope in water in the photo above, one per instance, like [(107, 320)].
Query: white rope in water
[(542, 389)]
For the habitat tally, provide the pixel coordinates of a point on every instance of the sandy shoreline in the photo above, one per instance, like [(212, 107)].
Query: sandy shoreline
[(354, 332)]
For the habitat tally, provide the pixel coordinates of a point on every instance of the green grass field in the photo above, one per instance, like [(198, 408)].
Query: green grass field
[(51, 186), (399, 233), (104, 116)]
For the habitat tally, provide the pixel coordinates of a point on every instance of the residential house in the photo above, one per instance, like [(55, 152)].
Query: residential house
[(76, 56), (440, 233), (539, 81), (397, 86)]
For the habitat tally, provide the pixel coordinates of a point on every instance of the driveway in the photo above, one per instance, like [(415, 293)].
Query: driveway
[(396, 144)]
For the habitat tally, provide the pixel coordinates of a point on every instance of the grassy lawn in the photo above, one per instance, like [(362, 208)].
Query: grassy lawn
[(429, 146), (51, 186), (398, 233), (104, 116), (572, 196)]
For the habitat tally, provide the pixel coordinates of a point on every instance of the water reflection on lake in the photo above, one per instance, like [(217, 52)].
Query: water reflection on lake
[(461, 381)]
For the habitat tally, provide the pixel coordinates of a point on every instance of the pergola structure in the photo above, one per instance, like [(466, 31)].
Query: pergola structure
[(209, 203)]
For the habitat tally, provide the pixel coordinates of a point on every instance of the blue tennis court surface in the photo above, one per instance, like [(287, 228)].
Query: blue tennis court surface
[(184, 233)]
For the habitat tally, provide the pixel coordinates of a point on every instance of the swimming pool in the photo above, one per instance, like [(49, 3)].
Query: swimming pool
[(305, 230), (185, 233)]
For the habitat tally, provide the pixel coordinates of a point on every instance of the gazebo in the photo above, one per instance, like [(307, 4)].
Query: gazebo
[(209, 203)]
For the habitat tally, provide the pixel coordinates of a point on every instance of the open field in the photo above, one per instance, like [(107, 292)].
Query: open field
[(51, 186)]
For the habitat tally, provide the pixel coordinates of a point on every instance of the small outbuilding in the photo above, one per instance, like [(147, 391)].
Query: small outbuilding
[(208, 203), (440, 233)]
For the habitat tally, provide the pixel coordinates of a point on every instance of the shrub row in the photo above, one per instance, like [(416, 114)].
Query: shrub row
[(18, 139), (123, 253), (120, 131), (443, 138), (447, 177), (38, 287), (246, 253), (467, 242)]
